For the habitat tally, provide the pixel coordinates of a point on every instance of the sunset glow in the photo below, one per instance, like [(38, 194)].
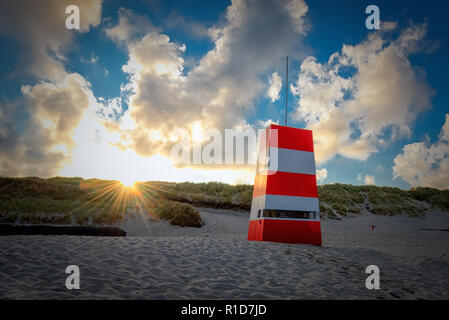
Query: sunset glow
[(106, 100), (128, 183)]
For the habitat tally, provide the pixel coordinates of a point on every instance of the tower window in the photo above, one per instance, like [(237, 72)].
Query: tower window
[(288, 214)]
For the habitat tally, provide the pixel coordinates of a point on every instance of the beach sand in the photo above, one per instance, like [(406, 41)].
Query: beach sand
[(160, 261)]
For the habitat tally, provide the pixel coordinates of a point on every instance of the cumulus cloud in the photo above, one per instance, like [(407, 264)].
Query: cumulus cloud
[(130, 28), (444, 135), (36, 128), (193, 28), (365, 96), (370, 180), (275, 87), (321, 174), (40, 27), (220, 90), (263, 124), (425, 164), (367, 179)]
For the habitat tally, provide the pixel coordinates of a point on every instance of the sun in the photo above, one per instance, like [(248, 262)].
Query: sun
[(128, 182)]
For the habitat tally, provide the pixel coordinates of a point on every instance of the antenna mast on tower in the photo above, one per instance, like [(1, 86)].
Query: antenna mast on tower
[(286, 91)]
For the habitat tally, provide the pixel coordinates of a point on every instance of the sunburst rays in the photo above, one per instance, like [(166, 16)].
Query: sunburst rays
[(114, 201)]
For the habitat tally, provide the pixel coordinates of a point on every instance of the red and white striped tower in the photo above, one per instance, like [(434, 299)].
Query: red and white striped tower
[(285, 204)]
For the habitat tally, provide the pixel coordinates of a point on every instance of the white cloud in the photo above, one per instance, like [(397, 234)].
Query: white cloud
[(36, 129), (110, 109), (40, 26), (370, 180), (93, 59), (193, 28), (297, 10), (220, 89), (44, 141), (364, 97), (263, 124), (425, 164), (131, 27), (61, 111), (155, 55), (367, 179), (444, 135), (275, 87), (321, 174)]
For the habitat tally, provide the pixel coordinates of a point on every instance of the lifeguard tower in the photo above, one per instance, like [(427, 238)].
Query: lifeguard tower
[(285, 204)]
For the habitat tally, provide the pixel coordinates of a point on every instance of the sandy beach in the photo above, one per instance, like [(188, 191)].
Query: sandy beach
[(160, 261)]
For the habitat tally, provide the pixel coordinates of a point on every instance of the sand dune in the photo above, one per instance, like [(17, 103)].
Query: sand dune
[(160, 261)]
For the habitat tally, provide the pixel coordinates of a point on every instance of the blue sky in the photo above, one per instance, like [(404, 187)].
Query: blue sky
[(98, 56)]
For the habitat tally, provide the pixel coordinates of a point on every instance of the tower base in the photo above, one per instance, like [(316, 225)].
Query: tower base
[(285, 231)]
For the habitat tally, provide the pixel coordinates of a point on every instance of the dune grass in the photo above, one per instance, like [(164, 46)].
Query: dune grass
[(92, 201), (341, 199), (58, 201), (211, 194), (181, 214), (392, 201), (434, 197)]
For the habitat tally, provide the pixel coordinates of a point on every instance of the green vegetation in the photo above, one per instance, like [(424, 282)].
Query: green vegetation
[(181, 214), (343, 199), (211, 194), (59, 201), (392, 201), (75, 200), (336, 200), (434, 197)]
